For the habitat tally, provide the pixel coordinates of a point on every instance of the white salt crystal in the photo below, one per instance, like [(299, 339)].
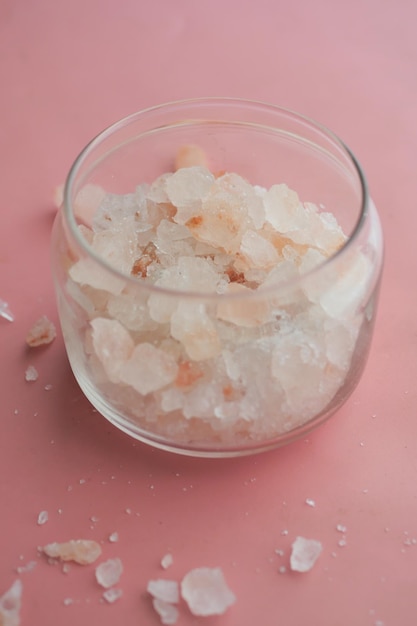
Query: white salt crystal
[(26, 568), (114, 537), (191, 325), (41, 333), (148, 369), (112, 344), (67, 601), (166, 611), (31, 374), (5, 311), (310, 502), (167, 560), (249, 311), (166, 590), (258, 251), (206, 592), (87, 271), (82, 551), (10, 604), (43, 518), (109, 572), (304, 554), (188, 186), (341, 528), (111, 595), (283, 209)]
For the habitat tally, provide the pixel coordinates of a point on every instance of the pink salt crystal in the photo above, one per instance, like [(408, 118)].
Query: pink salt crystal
[(109, 572), (82, 551), (5, 311), (190, 155), (191, 325), (31, 374), (165, 590), (148, 369), (10, 603), (111, 595), (43, 518), (206, 592), (86, 271), (112, 344), (259, 251), (87, 201), (41, 333), (166, 611), (305, 553), (249, 313)]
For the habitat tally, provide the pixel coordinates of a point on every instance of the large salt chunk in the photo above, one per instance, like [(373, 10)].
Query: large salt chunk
[(87, 201), (165, 590), (304, 554), (112, 344), (258, 251), (116, 212), (191, 325), (82, 551), (206, 592), (41, 333), (116, 248), (344, 297), (167, 612), (188, 186), (249, 311), (109, 572), (86, 271), (5, 311), (149, 369), (10, 604)]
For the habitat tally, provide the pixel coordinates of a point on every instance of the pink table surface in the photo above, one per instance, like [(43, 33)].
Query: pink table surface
[(68, 69)]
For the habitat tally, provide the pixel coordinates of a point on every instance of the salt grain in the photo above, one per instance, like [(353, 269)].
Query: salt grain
[(114, 537), (112, 595), (10, 604), (82, 551), (310, 502), (5, 311), (109, 572), (206, 592), (167, 612), (43, 518), (31, 374), (42, 332), (304, 554)]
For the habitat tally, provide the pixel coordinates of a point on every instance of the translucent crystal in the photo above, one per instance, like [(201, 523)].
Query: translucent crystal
[(111, 595), (206, 592), (10, 604), (31, 374), (5, 311), (108, 573), (112, 344), (167, 561), (167, 612), (258, 251), (43, 518), (190, 155), (148, 369), (166, 590), (41, 333), (82, 551), (191, 325), (304, 554), (87, 201)]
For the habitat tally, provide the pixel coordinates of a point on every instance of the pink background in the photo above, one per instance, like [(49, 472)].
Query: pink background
[(69, 69)]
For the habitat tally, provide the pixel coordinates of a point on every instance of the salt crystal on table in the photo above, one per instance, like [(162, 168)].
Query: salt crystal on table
[(5, 311), (188, 186), (82, 551), (166, 590), (166, 611), (114, 537), (43, 518), (206, 592), (31, 374), (305, 553), (109, 572), (41, 333), (111, 595), (167, 560), (10, 603)]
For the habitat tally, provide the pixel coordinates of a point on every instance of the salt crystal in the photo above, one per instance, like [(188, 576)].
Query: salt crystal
[(26, 568), (31, 374), (43, 518), (206, 592), (191, 325), (166, 590), (82, 551), (166, 561), (109, 572), (310, 502), (41, 333), (114, 537), (5, 311), (258, 250), (148, 369), (10, 604), (188, 186), (111, 595), (87, 201), (305, 553), (190, 155), (341, 528), (166, 611), (282, 569), (112, 344), (68, 601)]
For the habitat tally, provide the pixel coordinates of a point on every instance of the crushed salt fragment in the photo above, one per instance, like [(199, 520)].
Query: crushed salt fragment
[(114, 537), (48, 387), (310, 502), (167, 560), (5, 311), (206, 592), (67, 601), (31, 374), (282, 569), (42, 332), (22, 569), (166, 590), (166, 611), (342, 542), (341, 528), (109, 572), (66, 568), (43, 518), (284, 532), (111, 595), (10, 604), (304, 554), (82, 551)]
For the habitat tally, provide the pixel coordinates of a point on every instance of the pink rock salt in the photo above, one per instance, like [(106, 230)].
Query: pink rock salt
[(304, 554), (109, 572), (81, 551), (206, 592), (112, 344), (41, 333), (167, 612)]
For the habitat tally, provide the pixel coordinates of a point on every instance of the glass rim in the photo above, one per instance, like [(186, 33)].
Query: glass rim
[(214, 101)]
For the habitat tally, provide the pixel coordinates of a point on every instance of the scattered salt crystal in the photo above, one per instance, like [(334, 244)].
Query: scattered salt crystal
[(112, 344), (310, 502), (166, 611), (188, 186), (341, 528), (190, 155), (342, 543), (284, 532), (5, 311), (31, 374), (41, 333), (48, 387), (82, 551), (282, 569), (166, 590), (111, 595), (279, 551), (26, 568), (167, 560), (68, 601), (109, 572), (206, 592), (114, 537), (43, 518), (305, 553), (10, 603), (66, 568)]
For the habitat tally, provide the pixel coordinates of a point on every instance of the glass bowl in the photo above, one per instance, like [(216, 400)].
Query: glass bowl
[(216, 265)]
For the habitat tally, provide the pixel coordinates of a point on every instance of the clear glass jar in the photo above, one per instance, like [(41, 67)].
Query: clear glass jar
[(217, 371)]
